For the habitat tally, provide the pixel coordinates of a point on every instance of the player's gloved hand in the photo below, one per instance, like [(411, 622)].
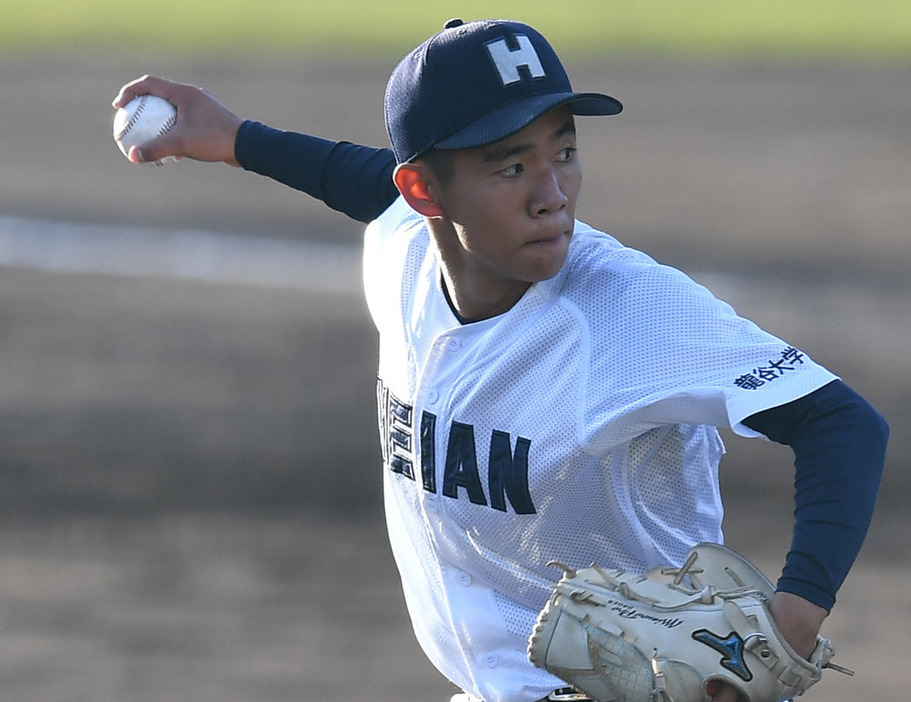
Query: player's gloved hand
[(205, 131), (799, 622), (708, 629)]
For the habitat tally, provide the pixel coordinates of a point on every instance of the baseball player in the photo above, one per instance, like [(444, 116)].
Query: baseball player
[(544, 392)]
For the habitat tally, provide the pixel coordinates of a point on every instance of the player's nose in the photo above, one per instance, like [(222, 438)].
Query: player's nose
[(548, 194)]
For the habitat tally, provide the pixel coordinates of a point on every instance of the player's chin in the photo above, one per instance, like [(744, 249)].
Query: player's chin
[(546, 257)]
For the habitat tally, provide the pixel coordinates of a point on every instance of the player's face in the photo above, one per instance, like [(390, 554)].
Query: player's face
[(511, 206)]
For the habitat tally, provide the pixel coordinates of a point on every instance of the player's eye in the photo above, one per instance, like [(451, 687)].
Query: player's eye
[(513, 170), (566, 154)]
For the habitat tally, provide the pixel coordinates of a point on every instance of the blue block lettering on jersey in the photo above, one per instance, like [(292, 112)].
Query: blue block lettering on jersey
[(399, 438), (461, 468), (507, 478), (508, 474), (429, 452)]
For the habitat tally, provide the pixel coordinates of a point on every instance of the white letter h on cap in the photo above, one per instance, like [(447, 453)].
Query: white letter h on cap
[(508, 60)]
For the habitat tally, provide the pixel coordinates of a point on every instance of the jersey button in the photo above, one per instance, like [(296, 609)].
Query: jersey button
[(464, 579), (490, 660), (432, 396), (453, 345)]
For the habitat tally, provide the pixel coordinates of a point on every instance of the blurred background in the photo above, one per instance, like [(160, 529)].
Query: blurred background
[(189, 472)]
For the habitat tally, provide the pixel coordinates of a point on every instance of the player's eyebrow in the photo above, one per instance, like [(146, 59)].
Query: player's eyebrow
[(503, 151), (568, 128)]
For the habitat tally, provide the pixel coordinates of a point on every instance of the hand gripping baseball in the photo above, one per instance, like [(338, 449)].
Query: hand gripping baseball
[(673, 634), (205, 129)]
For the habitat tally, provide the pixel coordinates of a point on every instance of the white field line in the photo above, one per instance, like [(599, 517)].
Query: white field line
[(860, 321), (186, 254)]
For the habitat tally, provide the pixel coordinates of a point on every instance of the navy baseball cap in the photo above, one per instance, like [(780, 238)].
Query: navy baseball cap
[(477, 83)]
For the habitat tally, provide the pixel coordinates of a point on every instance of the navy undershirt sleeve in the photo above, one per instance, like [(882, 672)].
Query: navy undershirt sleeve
[(355, 180), (839, 443)]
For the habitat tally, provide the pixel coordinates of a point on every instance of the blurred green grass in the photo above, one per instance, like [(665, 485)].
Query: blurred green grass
[(772, 29)]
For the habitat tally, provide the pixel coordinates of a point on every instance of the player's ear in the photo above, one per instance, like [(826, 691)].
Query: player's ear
[(411, 180)]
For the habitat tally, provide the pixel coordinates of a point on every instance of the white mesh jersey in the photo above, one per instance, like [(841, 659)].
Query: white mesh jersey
[(578, 426)]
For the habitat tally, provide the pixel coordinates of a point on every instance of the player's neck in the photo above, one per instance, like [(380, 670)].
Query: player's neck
[(469, 305), (475, 288)]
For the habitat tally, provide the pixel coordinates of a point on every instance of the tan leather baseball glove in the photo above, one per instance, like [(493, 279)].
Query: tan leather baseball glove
[(672, 634)]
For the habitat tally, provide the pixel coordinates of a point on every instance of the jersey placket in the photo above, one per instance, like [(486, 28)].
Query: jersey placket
[(449, 355)]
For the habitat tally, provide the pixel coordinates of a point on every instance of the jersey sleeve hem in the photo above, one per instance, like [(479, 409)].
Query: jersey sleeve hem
[(748, 402)]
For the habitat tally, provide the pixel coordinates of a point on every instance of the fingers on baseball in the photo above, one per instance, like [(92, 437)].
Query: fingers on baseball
[(135, 155), (156, 151), (148, 85), (133, 89)]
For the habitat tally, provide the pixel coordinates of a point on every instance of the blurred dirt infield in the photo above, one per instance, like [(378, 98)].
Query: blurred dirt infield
[(190, 472)]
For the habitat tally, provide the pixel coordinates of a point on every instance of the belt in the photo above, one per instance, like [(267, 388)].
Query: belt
[(566, 694)]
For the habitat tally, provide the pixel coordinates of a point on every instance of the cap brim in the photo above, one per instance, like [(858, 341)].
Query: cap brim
[(511, 118)]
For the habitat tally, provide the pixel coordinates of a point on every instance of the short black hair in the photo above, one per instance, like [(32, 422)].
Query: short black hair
[(440, 162)]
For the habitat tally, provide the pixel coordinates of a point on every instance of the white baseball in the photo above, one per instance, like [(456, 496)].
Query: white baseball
[(141, 120)]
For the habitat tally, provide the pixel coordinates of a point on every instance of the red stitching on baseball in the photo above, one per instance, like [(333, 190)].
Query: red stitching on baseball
[(171, 121), (140, 108), (132, 121)]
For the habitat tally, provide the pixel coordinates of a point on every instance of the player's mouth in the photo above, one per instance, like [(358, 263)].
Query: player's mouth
[(550, 241)]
